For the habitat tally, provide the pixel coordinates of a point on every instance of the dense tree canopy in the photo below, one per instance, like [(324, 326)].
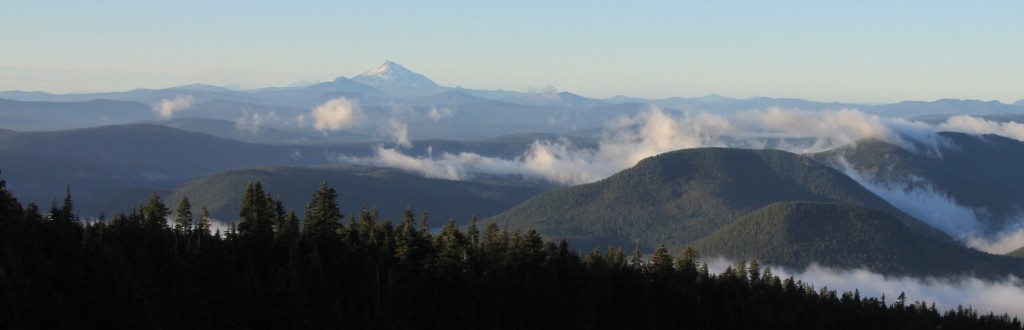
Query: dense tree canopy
[(131, 272)]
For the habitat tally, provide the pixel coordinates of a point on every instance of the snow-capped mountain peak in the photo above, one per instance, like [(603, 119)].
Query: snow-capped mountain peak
[(394, 78), (386, 70)]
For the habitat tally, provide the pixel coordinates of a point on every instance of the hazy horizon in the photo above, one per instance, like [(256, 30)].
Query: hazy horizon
[(874, 52)]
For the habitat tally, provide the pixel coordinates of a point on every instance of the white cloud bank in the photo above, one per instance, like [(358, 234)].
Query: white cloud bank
[(336, 115), (629, 139), (998, 296), (974, 125), (437, 114), (166, 108), (399, 132)]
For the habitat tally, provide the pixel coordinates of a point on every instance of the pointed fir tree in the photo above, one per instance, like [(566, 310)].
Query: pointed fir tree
[(254, 218), (322, 214), (154, 214), (10, 208), (637, 262), (661, 261), (473, 233), (203, 228), (67, 209), (450, 245), (407, 240), (288, 232), (183, 217)]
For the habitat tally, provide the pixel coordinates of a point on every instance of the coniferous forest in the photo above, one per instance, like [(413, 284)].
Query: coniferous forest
[(325, 269)]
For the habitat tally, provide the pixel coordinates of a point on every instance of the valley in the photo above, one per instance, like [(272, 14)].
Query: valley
[(794, 184)]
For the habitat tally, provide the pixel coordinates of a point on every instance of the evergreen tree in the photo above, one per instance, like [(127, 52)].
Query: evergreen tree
[(688, 262), (154, 214), (473, 233), (754, 270), (407, 240), (277, 213), (494, 244), (10, 208), (67, 209), (183, 218), (322, 214), (204, 222), (424, 226), (451, 247), (661, 261), (289, 231), (637, 262), (254, 217)]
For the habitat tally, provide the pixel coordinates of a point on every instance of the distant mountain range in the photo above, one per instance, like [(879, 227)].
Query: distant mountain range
[(393, 91), (206, 142)]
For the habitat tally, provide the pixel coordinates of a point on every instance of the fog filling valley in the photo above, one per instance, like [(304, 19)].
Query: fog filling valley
[(626, 140), (1000, 296), (629, 139)]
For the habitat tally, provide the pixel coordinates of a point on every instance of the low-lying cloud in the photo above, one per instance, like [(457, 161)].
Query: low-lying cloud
[(1011, 238), (167, 107), (436, 114), (920, 199), (399, 132), (336, 115), (1002, 296), (253, 123), (629, 139), (974, 125)]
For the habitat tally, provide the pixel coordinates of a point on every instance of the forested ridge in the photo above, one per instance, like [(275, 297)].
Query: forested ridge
[(953, 169), (324, 269), (679, 197), (796, 234)]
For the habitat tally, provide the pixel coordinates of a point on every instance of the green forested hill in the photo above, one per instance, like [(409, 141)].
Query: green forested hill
[(232, 130), (681, 196), (391, 191), (102, 162), (4, 133), (1018, 253), (797, 234), (976, 171), (110, 168)]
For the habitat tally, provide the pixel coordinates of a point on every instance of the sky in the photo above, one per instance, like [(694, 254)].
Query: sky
[(849, 51)]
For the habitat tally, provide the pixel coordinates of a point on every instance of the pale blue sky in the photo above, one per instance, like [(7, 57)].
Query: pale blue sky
[(863, 51)]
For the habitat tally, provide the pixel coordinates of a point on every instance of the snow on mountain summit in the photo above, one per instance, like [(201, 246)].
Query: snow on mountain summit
[(394, 78), (386, 70)]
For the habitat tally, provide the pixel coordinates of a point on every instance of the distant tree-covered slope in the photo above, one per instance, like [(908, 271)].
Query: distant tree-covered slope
[(1018, 253), (4, 133), (102, 162), (391, 191), (797, 234), (681, 196), (975, 171), (43, 116), (110, 166), (238, 130)]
